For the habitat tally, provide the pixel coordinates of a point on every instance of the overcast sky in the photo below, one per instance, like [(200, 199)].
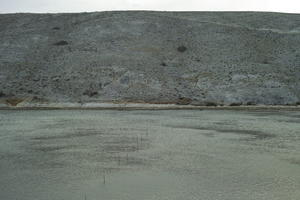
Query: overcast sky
[(42, 6)]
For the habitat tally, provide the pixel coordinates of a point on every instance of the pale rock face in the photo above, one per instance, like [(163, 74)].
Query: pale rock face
[(153, 57)]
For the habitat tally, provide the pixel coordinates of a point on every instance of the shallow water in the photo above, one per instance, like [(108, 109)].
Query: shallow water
[(149, 155)]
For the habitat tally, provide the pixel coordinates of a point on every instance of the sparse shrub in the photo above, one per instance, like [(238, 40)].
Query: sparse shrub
[(181, 49), (163, 64), (183, 101), (90, 93), (61, 43), (250, 103), (209, 103), (265, 61), (2, 94), (37, 99), (235, 104)]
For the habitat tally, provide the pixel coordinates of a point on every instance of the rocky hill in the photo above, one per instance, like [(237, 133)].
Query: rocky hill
[(197, 58)]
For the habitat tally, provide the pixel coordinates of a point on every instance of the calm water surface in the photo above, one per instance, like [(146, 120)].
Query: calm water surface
[(149, 155)]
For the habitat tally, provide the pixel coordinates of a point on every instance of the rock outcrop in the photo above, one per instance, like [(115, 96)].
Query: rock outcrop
[(197, 58)]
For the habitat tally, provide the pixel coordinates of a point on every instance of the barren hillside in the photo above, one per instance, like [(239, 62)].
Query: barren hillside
[(198, 58)]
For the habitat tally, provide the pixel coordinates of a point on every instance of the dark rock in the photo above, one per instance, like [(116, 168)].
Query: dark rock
[(56, 78)]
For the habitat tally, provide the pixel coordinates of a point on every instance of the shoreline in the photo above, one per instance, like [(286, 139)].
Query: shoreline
[(141, 106)]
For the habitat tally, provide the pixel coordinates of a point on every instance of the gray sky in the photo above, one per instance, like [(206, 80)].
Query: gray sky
[(41, 6)]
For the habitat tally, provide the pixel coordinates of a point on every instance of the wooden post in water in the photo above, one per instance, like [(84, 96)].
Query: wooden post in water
[(104, 181)]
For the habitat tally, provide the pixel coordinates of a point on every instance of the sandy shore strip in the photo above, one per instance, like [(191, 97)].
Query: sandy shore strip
[(140, 106)]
